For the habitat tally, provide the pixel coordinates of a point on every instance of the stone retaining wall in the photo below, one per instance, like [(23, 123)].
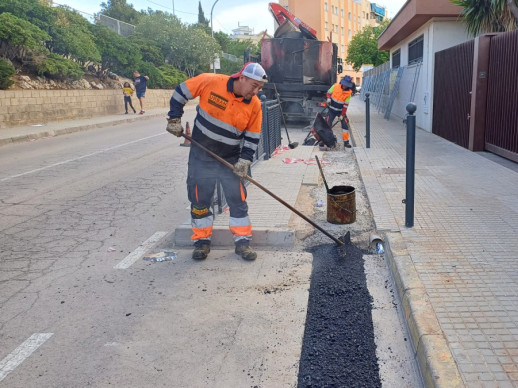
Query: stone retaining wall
[(21, 107)]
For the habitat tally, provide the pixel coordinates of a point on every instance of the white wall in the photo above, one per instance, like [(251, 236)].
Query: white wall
[(439, 34)]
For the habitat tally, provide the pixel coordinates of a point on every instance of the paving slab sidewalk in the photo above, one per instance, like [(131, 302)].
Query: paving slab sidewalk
[(456, 269)]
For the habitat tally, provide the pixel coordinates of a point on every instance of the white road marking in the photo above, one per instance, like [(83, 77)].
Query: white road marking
[(79, 158), (9, 363), (140, 251)]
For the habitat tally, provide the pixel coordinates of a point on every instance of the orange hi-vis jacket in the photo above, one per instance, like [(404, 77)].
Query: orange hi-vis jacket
[(223, 121), (339, 99)]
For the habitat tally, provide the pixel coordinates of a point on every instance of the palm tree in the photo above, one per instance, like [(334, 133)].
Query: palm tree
[(489, 15)]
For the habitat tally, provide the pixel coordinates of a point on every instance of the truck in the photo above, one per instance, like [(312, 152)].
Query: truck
[(300, 68)]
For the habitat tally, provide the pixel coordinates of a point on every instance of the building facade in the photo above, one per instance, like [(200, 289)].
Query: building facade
[(247, 33), (338, 21), (418, 31)]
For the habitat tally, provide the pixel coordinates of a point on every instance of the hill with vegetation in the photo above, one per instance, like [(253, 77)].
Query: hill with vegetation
[(56, 47)]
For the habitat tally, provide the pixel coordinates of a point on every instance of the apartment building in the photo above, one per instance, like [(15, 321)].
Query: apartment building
[(338, 21)]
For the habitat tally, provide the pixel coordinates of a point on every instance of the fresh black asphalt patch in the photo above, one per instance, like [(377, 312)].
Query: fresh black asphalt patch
[(338, 348)]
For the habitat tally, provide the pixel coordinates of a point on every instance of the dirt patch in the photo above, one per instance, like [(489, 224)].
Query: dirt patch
[(341, 170)]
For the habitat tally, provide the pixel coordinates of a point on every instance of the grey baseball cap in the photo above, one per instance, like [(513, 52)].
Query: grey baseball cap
[(252, 70)]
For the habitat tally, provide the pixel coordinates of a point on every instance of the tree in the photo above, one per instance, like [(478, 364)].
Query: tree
[(193, 51), (201, 16), (203, 22), (71, 36), (188, 48), (118, 54), (18, 37), (223, 40), (363, 48), (238, 47), (35, 12), (489, 15), (120, 10), (161, 29)]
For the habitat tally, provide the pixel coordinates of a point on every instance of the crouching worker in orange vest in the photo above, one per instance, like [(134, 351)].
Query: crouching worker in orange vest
[(338, 97), (228, 115)]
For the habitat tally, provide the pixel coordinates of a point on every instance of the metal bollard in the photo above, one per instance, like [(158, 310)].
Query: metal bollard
[(368, 120), (410, 165)]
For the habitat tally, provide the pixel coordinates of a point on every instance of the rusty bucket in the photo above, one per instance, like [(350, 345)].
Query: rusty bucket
[(341, 205)]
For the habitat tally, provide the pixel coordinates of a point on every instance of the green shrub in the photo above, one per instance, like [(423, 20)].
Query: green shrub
[(156, 79), (229, 67), (60, 68), (6, 71), (172, 76)]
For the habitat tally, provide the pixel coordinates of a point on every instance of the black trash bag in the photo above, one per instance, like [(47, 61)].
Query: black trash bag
[(323, 132)]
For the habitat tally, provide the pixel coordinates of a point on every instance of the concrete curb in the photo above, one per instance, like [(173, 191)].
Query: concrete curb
[(221, 236), (436, 363)]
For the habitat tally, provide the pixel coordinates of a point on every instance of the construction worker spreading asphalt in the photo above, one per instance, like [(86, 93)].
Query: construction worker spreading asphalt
[(228, 123), (338, 97)]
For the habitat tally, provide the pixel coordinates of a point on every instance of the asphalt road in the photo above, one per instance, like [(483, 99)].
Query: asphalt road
[(74, 207), (70, 208)]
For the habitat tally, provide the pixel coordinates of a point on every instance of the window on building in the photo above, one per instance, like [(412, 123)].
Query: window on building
[(326, 26), (350, 16), (396, 59), (415, 50), (350, 34), (343, 49), (343, 31), (325, 7), (343, 13)]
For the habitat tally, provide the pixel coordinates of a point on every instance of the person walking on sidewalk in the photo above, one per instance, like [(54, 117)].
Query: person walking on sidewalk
[(127, 90), (338, 97), (140, 82), (228, 123)]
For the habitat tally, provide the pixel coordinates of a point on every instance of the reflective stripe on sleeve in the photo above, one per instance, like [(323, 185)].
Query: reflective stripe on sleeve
[(178, 97), (186, 91)]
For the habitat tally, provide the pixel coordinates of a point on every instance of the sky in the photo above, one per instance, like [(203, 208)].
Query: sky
[(228, 14)]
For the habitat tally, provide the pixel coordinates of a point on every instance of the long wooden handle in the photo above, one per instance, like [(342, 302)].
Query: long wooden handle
[(322, 173), (220, 159)]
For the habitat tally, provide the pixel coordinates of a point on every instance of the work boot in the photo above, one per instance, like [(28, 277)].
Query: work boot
[(201, 250), (246, 252), (347, 144)]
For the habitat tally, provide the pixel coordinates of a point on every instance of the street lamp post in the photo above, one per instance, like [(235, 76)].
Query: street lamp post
[(212, 33)]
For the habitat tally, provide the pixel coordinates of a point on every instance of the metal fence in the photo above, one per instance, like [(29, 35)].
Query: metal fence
[(268, 143), (120, 27), (391, 89)]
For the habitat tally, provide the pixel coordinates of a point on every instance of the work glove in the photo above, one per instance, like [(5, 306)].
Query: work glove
[(328, 101), (174, 126), (341, 118), (241, 168)]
